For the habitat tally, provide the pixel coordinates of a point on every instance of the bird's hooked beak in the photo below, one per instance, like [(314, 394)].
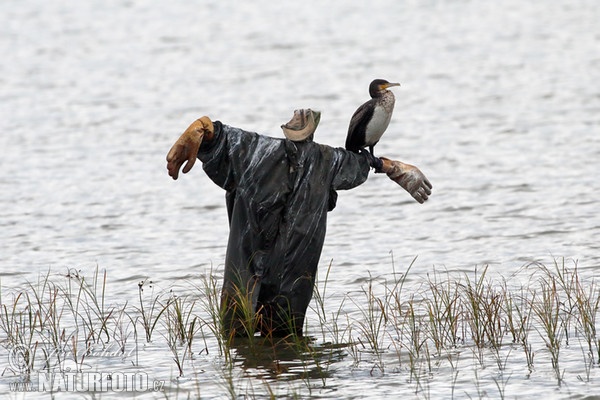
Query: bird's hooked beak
[(388, 85)]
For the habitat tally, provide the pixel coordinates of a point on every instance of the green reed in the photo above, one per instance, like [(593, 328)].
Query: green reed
[(150, 311), (181, 325), (385, 326), (444, 313)]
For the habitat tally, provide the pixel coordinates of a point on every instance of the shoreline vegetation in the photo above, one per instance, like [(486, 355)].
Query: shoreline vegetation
[(477, 333)]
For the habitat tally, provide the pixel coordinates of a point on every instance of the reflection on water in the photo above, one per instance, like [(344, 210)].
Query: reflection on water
[(499, 107), (287, 359)]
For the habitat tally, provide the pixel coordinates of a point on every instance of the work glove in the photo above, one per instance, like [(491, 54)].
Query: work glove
[(187, 146), (409, 177)]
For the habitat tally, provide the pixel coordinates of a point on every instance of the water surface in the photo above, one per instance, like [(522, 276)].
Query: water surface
[(499, 106)]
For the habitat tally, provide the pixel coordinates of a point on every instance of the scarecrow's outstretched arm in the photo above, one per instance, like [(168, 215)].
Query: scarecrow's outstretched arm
[(187, 146), (409, 177)]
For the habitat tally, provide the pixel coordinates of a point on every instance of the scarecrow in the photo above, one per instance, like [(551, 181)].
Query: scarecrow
[(278, 193)]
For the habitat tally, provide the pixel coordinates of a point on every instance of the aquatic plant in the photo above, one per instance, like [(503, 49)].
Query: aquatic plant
[(383, 326)]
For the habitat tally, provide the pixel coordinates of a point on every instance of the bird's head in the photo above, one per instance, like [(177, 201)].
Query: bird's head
[(378, 86)]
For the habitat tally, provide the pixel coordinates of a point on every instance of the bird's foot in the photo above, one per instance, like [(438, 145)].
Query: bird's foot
[(375, 162)]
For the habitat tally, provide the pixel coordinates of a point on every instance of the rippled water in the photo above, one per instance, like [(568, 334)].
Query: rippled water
[(499, 106)]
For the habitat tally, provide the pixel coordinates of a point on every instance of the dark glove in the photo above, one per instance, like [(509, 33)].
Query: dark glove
[(187, 146), (409, 177)]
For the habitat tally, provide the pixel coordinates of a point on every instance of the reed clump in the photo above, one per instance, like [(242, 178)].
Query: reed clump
[(400, 323)]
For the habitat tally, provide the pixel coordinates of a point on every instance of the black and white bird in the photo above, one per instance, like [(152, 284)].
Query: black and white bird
[(370, 120)]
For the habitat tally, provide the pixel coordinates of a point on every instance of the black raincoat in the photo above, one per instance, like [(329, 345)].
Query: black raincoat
[(278, 196)]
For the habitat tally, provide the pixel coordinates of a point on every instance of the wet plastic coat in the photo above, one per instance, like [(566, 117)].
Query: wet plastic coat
[(278, 193)]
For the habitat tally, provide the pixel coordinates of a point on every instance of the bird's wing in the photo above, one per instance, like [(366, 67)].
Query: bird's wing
[(358, 126)]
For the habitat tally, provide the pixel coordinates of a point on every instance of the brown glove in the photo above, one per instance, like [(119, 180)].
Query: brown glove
[(409, 177), (187, 146)]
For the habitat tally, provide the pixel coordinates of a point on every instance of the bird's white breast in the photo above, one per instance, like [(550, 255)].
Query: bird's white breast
[(378, 124)]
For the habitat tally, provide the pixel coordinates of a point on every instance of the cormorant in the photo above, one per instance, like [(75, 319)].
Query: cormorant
[(371, 119)]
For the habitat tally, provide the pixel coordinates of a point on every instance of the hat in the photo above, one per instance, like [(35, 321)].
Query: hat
[(302, 125)]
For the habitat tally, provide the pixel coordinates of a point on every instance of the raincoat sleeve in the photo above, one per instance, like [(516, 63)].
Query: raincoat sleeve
[(350, 169), (222, 157)]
